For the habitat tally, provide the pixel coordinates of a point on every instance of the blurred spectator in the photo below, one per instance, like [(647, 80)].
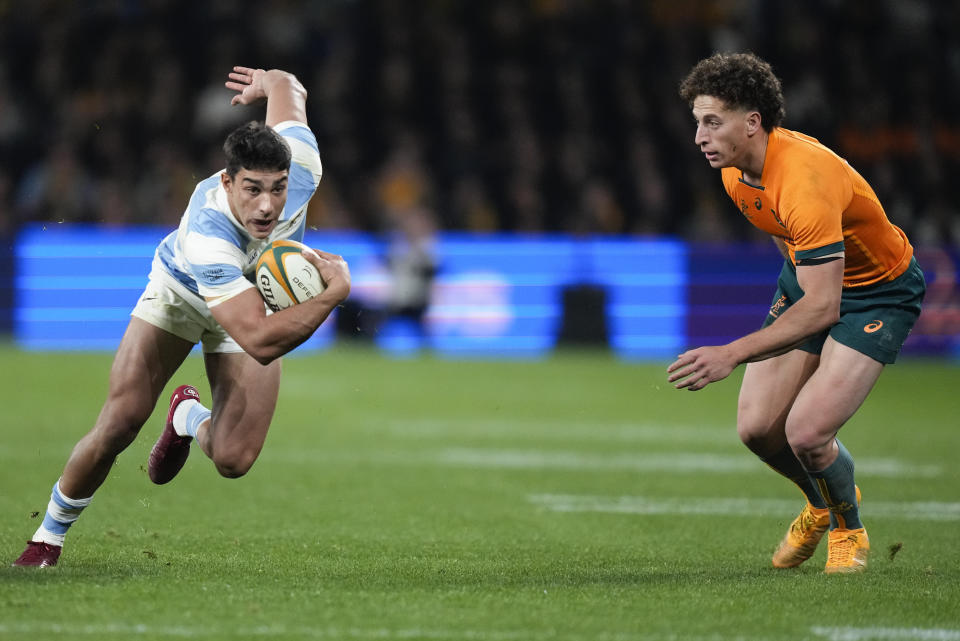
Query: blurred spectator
[(57, 188), (532, 115), (412, 265)]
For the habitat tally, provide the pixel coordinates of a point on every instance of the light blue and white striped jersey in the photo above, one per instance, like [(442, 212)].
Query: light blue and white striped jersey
[(211, 253)]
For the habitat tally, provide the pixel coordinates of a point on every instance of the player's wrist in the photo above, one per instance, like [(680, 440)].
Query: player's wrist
[(275, 78), (739, 352), (336, 292)]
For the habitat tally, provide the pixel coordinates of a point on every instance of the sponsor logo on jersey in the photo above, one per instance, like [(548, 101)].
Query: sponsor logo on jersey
[(777, 218), (213, 274)]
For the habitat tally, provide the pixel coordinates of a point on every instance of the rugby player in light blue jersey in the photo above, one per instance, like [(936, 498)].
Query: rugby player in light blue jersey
[(198, 292)]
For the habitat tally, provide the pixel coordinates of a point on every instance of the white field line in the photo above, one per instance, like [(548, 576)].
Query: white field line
[(679, 463), (886, 634), (126, 631), (926, 511), (556, 430), (667, 462)]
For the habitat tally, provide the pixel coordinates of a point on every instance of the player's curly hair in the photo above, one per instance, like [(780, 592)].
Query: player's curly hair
[(255, 146), (741, 81)]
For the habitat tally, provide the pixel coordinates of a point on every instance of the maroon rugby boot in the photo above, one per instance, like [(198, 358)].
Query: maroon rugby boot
[(40, 555), (170, 451)]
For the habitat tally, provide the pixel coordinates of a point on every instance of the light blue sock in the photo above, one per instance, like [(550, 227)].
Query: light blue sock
[(837, 487), (62, 511), (195, 416)]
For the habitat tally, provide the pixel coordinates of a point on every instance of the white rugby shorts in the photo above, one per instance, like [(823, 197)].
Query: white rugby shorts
[(167, 304)]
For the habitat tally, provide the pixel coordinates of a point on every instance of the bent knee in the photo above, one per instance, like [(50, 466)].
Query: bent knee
[(752, 427), (756, 440), (233, 465), (808, 444), (811, 441), (761, 435)]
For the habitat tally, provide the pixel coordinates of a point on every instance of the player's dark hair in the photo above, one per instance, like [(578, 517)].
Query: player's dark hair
[(741, 81), (255, 146)]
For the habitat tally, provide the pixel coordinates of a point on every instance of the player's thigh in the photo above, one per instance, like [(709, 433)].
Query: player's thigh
[(767, 393), (832, 395), (146, 359), (244, 399)]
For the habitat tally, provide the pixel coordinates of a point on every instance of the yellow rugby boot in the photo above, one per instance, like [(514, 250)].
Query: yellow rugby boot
[(803, 536), (847, 551), (801, 539)]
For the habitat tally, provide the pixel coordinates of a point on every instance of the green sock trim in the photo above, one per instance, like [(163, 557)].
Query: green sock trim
[(836, 484)]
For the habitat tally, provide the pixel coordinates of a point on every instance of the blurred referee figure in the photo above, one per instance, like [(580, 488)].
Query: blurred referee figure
[(848, 294), (198, 293)]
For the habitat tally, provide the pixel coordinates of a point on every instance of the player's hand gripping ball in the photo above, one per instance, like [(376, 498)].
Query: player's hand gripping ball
[(284, 277)]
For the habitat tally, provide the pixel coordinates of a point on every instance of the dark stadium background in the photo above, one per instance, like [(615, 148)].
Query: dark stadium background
[(550, 118)]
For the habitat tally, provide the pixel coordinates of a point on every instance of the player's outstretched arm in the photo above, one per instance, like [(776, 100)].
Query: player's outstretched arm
[(818, 309), (268, 337), (286, 97)]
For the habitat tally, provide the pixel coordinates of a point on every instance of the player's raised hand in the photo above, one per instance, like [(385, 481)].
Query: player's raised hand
[(248, 83)]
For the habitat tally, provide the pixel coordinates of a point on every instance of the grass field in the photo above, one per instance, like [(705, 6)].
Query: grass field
[(579, 498)]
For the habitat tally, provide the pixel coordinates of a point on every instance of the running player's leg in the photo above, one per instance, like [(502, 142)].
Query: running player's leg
[(145, 360), (767, 392), (244, 398), (831, 396)]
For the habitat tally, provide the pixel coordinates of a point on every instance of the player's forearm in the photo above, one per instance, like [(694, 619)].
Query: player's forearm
[(286, 97), (288, 328), (802, 320)]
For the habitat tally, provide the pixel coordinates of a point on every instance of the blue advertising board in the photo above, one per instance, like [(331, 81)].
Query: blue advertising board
[(494, 296)]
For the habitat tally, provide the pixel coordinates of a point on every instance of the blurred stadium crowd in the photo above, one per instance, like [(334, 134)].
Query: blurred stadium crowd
[(500, 115)]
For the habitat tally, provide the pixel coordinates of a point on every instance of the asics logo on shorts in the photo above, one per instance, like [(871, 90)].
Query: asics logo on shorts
[(872, 326)]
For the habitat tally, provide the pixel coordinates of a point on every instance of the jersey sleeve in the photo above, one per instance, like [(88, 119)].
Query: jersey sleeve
[(215, 259), (812, 208), (305, 173), (306, 168)]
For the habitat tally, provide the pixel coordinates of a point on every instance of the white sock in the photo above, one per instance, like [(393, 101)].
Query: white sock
[(180, 416), (62, 511)]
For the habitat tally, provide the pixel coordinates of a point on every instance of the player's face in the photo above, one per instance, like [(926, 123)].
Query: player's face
[(721, 132), (256, 199)]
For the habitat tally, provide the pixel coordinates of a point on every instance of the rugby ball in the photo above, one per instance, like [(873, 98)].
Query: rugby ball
[(284, 277)]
